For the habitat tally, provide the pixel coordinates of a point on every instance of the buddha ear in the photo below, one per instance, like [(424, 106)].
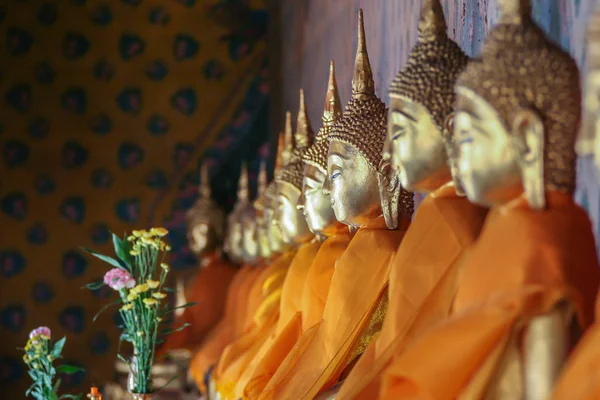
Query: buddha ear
[(449, 124), (389, 193), (529, 140)]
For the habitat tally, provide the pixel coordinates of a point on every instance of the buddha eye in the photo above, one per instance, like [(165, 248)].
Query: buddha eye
[(335, 175), (399, 131)]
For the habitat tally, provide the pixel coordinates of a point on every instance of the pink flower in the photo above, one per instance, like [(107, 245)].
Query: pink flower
[(41, 331), (118, 279)]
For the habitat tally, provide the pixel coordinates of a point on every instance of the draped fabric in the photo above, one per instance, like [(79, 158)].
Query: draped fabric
[(359, 280), (423, 280), (523, 264)]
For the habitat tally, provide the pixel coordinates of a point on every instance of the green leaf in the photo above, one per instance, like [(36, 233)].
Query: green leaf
[(95, 285), (112, 303), (169, 290), (170, 310), (58, 347), (104, 258), (166, 384), (71, 396), (56, 385), (69, 369), (169, 331), (122, 252)]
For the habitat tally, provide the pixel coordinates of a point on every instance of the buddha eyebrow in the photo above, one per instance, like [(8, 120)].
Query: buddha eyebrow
[(399, 111)]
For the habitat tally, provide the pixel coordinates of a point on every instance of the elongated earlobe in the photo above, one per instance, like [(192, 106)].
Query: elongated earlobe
[(528, 134)]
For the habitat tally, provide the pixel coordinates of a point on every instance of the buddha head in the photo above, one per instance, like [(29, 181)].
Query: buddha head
[(206, 220), (422, 105), (589, 141), (518, 111), (289, 216), (315, 203), (262, 233), (243, 222), (361, 184)]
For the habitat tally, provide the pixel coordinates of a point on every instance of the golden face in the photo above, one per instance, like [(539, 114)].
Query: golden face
[(234, 239), (199, 237), (289, 217), (270, 223), (415, 145), (352, 185), (488, 161), (249, 237), (315, 204)]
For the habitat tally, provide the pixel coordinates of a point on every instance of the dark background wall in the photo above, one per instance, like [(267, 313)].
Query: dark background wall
[(107, 109)]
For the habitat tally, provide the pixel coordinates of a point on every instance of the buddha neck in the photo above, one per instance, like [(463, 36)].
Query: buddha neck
[(434, 181)]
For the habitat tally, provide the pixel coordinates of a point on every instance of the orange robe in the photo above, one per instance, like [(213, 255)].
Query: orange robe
[(311, 306), (351, 317), (423, 279), (580, 377), (289, 313), (524, 262), (263, 311), (230, 326), (209, 292)]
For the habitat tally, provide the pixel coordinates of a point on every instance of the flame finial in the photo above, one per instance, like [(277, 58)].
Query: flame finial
[(242, 193), (363, 85), (432, 22), (514, 12), (304, 133), (205, 190), (333, 106)]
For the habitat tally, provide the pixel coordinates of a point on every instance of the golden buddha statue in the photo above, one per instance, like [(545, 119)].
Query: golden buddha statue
[(366, 196), (309, 276), (424, 269), (578, 380), (262, 232), (533, 273), (263, 301), (209, 286)]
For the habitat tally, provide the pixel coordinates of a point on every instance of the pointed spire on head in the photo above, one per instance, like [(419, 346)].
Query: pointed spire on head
[(432, 23), (363, 85), (514, 12), (205, 190), (242, 193), (288, 140), (279, 152), (333, 106), (262, 178), (304, 133)]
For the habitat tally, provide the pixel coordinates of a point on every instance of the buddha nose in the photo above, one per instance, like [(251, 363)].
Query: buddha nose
[(387, 150), (326, 187)]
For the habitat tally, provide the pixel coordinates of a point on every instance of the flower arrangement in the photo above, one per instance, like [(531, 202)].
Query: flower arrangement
[(39, 357), (138, 276)]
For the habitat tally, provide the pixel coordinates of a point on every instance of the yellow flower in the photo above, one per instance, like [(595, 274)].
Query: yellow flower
[(26, 359), (158, 319), (165, 266), (50, 357), (132, 296), (152, 284), (168, 248), (140, 333), (138, 233), (150, 302), (141, 288), (159, 231), (159, 295), (134, 253), (130, 238), (127, 307)]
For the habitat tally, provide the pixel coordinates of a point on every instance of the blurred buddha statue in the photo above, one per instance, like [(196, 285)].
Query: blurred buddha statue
[(528, 284), (424, 271), (303, 303), (208, 289), (579, 378), (234, 319), (262, 302), (295, 233), (366, 196)]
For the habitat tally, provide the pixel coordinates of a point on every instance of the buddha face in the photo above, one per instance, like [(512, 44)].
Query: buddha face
[(352, 185), (315, 204), (589, 141), (200, 238), (234, 239), (289, 217), (488, 161), (415, 146), (249, 236), (273, 233)]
